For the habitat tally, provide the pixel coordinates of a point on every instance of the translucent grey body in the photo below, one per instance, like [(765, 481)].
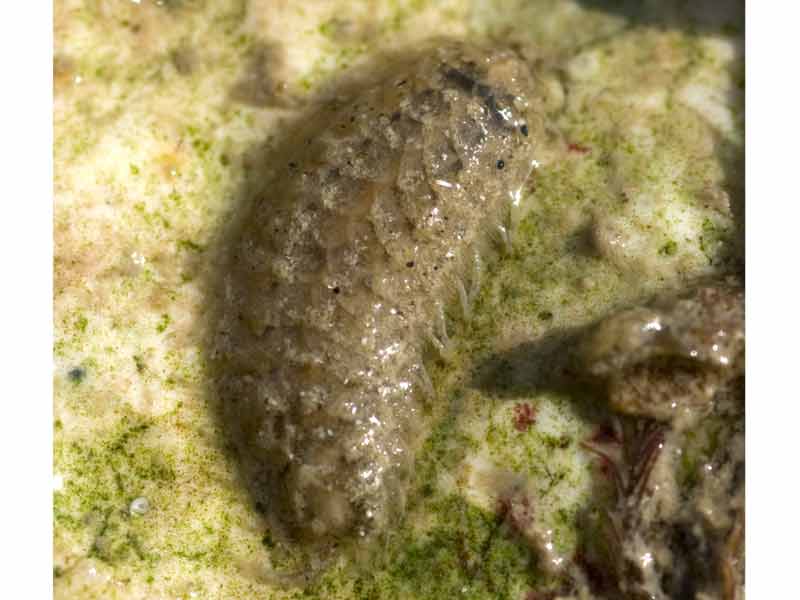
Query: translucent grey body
[(338, 280)]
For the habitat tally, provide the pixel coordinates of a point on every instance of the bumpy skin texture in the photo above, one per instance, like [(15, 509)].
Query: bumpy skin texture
[(339, 278)]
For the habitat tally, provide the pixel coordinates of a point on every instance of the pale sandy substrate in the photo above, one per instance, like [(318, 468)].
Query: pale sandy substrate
[(159, 107)]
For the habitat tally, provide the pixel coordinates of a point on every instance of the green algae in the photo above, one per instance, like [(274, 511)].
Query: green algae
[(462, 551)]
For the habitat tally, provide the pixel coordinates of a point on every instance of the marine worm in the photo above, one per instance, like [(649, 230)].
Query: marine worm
[(338, 280)]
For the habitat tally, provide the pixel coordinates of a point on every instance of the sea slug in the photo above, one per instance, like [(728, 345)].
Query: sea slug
[(337, 283)]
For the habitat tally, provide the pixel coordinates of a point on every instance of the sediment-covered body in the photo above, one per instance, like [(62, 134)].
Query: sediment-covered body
[(337, 281)]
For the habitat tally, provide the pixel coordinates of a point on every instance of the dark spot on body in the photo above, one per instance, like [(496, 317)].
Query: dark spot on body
[(461, 79), (471, 85), (410, 264)]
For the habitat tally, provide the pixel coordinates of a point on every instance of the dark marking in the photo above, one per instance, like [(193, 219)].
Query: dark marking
[(461, 79), (469, 84), (77, 374)]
